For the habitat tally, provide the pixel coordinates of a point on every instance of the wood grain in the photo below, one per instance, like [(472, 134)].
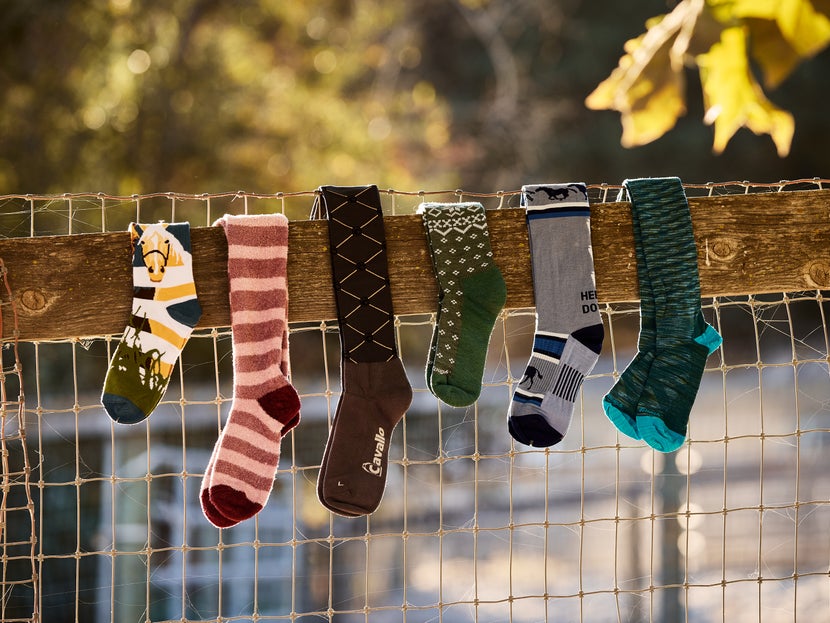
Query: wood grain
[(81, 285)]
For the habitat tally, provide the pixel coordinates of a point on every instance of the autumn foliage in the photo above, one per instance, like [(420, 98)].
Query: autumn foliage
[(724, 39)]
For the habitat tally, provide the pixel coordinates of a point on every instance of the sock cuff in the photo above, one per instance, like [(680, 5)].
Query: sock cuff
[(666, 238), (459, 241), (264, 235), (538, 199), (440, 219), (466, 221)]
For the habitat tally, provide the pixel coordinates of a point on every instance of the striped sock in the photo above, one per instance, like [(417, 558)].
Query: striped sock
[(569, 330), (265, 405), (165, 310), (210, 511)]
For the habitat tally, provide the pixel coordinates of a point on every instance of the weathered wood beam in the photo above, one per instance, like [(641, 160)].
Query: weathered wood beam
[(81, 285)]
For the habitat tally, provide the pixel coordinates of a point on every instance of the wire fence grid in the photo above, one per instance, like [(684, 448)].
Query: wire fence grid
[(101, 522)]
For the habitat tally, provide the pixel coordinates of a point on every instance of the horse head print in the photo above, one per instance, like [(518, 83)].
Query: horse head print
[(531, 374), (159, 249)]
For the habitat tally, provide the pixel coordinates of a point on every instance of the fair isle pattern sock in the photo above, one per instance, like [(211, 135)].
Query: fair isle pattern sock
[(683, 339), (265, 404), (472, 292), (375, 390), (164, 311), (569, 332)]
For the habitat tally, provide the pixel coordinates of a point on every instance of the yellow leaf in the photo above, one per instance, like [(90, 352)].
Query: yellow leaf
[(647, 87), (770, 49), (804, 28), (732, 97), (650, 118)]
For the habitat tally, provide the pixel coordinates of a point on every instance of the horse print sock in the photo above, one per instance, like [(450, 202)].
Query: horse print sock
[(164, 311), (265, 406), (569, 333)]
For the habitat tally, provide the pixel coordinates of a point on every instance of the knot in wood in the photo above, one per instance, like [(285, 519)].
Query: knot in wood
[(818, 274), (33, 300), (723, 249)]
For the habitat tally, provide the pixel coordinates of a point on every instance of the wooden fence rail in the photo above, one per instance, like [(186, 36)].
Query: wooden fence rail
[(81, 285)]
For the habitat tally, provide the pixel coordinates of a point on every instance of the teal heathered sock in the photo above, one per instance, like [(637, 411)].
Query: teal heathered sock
[(569, 332), (471, 293), (620, 404), (683, 339)]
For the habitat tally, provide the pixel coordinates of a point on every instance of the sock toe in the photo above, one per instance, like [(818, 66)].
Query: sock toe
[(454, 395), (658, 435), (123, 410), (213, 514), (626, 424), (532, 429), (233, 504)]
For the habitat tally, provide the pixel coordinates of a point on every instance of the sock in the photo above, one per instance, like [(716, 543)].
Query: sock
[(620, 404), (265, 404), (209, 510), (164, 312), (683, 339), (569, 333), (471, 293), (375, 390)]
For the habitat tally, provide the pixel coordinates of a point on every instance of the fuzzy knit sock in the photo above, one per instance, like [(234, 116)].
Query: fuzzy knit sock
[(471, 293), (375, 390), (165, 310), (569, 333), (265, 405), (683, 340), (209, 510)]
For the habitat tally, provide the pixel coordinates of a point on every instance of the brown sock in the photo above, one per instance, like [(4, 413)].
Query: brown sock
[(375, 398), (375, 390)]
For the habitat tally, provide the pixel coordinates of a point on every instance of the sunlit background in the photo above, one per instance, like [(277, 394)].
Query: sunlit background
[(205, 96), (129, 96)]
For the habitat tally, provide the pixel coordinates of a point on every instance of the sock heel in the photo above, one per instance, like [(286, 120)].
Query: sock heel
[(591, 337), (710, 338)]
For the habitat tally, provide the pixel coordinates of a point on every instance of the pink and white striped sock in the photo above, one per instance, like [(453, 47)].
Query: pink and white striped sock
[(240, 475)]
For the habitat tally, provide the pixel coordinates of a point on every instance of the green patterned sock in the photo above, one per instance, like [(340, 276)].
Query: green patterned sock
[(683, 340), (471, 293)]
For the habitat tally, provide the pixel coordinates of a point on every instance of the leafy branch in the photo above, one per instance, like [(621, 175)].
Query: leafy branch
[(719, 37)]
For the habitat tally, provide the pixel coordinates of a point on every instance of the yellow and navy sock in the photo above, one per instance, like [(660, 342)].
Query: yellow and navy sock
[(165, 310)]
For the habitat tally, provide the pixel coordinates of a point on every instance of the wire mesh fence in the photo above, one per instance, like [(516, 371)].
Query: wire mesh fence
[(101, 522)]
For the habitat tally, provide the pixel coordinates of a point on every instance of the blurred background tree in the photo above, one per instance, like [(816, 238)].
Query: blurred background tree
[(128, 96)]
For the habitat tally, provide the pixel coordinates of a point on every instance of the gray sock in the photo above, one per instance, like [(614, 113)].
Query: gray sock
[(569, 330)]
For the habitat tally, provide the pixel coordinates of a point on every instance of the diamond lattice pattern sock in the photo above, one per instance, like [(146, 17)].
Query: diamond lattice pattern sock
[(375, 390)]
